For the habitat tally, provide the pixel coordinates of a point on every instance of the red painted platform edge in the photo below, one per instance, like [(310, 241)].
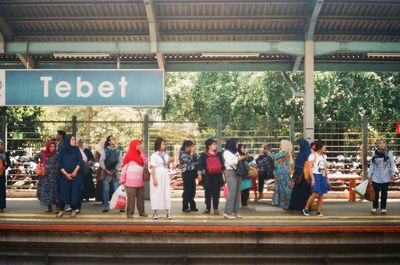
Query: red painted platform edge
[(203, 229)]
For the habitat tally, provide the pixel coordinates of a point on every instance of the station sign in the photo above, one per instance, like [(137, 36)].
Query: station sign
[(138, 88)]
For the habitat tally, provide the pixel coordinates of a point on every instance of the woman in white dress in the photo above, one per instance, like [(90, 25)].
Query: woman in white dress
[(160, 193)]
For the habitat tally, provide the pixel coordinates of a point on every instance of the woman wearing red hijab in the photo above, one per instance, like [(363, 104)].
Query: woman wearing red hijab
[(132, 177), (47, 188)]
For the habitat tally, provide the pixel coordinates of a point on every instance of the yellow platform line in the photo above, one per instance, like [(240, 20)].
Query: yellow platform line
[(67, 219), (192, 217)]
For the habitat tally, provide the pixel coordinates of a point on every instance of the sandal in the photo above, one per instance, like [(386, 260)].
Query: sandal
[(73, 214), (60, 214), (216, 212), (206, 211)]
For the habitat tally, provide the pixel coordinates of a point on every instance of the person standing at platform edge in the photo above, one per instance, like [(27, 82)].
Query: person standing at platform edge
[(210, 175), (234, 181), (88, 159), (110, 161), (69, 162), (283, 182), (381, 170), (188, 166), (265, 163), (4, 164), (318, 169), (301, 190), (47, 192), (135, 161), (160, 190), (99, 176), (246, 179)]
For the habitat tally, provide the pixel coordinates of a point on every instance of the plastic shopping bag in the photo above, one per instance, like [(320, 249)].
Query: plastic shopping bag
[(118, 200), (361, 188), (226, 191)]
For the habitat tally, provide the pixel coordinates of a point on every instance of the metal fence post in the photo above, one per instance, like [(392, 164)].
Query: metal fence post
[(292, 129), (219, 132), (74, 125), (4, 130), (146, 150), (365, 147)]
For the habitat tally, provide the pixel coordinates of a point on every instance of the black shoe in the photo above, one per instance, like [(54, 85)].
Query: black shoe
[(121, 211), (194, 210), (206, 211), (306, 212), (186, 210), (105, 210)]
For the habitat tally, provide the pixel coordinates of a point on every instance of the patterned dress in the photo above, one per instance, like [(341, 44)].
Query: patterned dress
[(47, 188), (283, 181)]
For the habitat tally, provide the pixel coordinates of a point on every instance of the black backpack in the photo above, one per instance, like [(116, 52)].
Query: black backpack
[(112, 158), (243, 168)]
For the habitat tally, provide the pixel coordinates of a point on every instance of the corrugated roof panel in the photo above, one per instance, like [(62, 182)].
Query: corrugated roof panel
[(235, 37), (230, 9), (365, 9)]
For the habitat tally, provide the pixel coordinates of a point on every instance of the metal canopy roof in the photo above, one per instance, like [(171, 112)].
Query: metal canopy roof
[(177, 33)]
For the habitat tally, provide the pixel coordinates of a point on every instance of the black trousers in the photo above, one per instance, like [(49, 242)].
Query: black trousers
[(261, 181), (383, 189), (212, 191), (189, 190), (245, 197)]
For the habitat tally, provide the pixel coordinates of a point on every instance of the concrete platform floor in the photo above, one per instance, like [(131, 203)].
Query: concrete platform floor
[(260, 214)]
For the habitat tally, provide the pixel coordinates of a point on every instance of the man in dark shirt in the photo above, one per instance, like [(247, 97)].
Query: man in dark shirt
[(265, 164)]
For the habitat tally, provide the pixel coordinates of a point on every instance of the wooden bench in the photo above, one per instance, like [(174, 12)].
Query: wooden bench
[(351, 178)]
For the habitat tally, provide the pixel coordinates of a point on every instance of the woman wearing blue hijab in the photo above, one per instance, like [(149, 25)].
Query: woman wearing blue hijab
[(69, 163), (301, 190)]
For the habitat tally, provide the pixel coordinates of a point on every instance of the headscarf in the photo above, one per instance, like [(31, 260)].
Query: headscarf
[(379, 153), (230, 145), (133, 154), (47, 153), (287, 146), (100, 146), (302, 157), (68, 148)]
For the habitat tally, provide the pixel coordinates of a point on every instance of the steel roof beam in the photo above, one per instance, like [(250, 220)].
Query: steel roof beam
[(310, 28), (154, 32), (278, 47)]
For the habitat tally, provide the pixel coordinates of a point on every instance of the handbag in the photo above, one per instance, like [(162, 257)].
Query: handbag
[(370, 192), (146, 174), (40, 169), (253, 172)]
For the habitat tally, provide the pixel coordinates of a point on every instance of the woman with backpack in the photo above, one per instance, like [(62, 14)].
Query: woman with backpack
[(160, 187), (110, 161), (188, 166), (301, 190), (234, 181), (381, 171), (283, 173), (246, 179), (210, 174), (318, 171)]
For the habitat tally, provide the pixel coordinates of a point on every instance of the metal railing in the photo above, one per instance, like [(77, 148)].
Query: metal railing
[(350, 144)]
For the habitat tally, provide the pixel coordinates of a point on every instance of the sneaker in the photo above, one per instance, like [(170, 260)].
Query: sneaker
[(227, 216), (169, 216), (373, 211), (306, 212), (236, 215), (68, 210), (78, 211), (194, 210), (319, 214), (155, 216), (383, 212)]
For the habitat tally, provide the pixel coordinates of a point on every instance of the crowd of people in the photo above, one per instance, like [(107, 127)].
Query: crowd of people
[(68, 178)]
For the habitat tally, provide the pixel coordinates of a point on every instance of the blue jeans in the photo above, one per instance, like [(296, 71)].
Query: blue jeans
[(106, 189)]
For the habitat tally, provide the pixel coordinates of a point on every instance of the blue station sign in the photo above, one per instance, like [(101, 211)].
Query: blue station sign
[(139, 88)]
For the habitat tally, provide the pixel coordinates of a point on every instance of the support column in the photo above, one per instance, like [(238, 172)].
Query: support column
[(146, 140), (308, 119)]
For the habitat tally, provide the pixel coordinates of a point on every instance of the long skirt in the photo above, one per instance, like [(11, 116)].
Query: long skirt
[(300, 194), (160, 196)]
